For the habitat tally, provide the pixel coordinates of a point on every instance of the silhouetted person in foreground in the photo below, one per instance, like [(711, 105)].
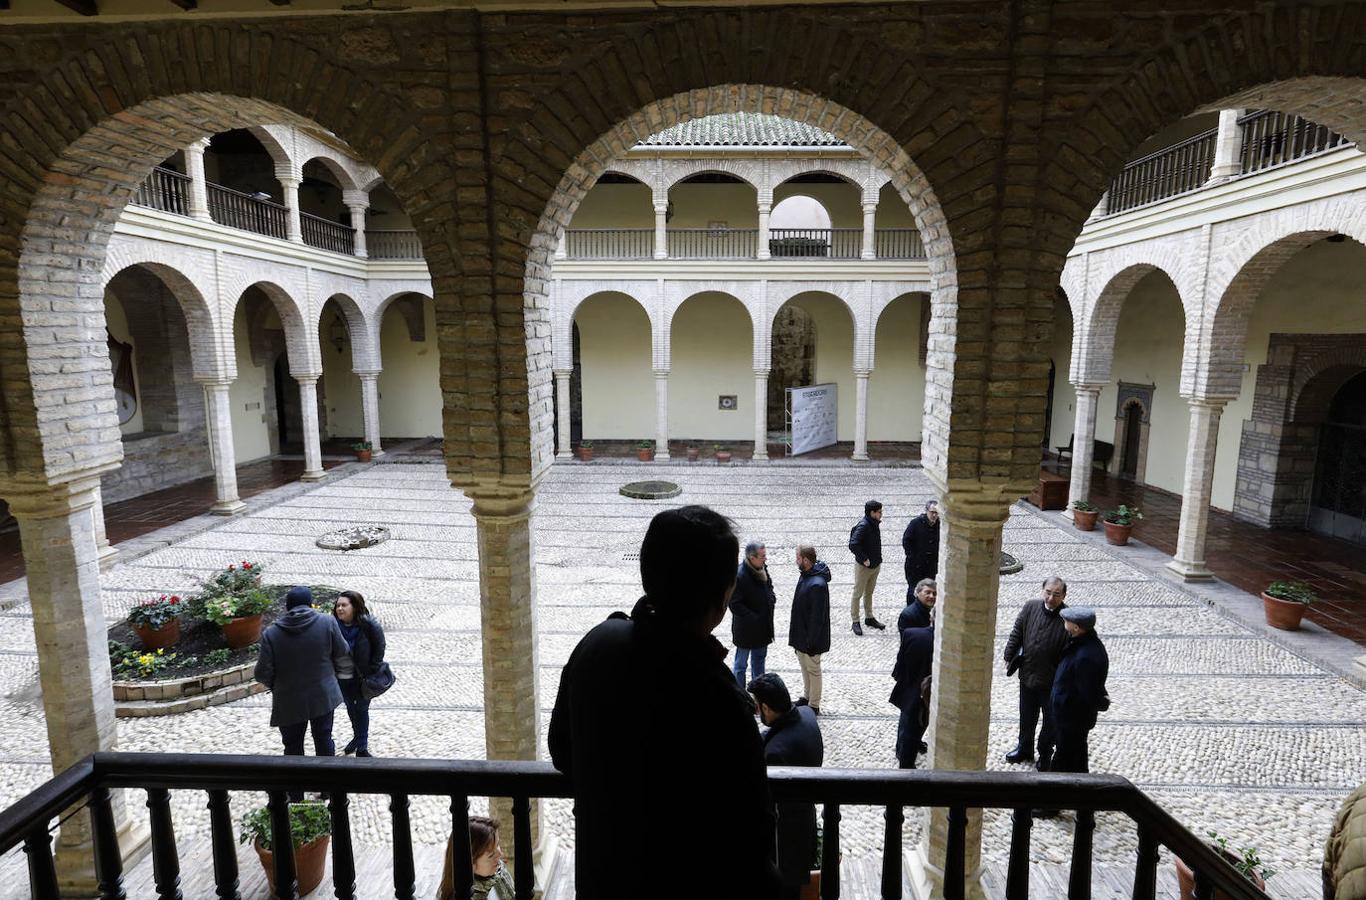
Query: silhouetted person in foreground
[(670, 789), (793, 739)]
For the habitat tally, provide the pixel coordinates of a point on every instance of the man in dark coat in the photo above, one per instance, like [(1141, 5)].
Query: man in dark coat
[(865, 543), (914, 662), (919, 611), (809, 632), (920, 541), (1078, 689), (793, 739), (1040, 637), (659, 741), (751, 612)]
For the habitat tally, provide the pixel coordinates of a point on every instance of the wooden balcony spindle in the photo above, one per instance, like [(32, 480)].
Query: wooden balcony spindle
[(462, 862), (1204, 889), (282, 847), (405, 874), (891, 854), (523, 863), (42, 871), (165, 861), (1079, 879), (830, 853), (1145, 872), (1017, 869), (224, 847), (955, 867), (108, 858), (343, 855)]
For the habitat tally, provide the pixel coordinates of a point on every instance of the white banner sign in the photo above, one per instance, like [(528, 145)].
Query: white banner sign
[(815, 416)]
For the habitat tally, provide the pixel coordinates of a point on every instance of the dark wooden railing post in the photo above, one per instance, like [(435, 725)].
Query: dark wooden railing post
[(891, 854), (462, 862), (405, 874), (1145, 871), (955, 866), (830, 852), (224, 847), (523, 863), (108, 857), (1079, 879), (42, 871), (1017, 869), (165, 861), (343, 855), (1204, 890), (282, 847)]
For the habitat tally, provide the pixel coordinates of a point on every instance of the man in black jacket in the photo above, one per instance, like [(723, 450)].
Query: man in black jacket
[(920, 541), (659, 741), (809, 633), (865, 542), (793, 739), (751, 612), (914, 662), (1040, 637), (918, 612), (1078, 689)]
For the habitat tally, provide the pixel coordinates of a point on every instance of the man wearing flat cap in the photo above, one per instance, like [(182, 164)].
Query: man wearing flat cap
[(1078, 689)]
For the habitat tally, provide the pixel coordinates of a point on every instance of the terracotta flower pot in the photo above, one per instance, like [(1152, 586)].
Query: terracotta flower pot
[(363, 455), (644, 454), (310, 861), (242, 632), (1282, 614), (1185, 880), (1085, 521), (812, 889), (1117, 534), (156, 638), (723, 456), (585, 453)]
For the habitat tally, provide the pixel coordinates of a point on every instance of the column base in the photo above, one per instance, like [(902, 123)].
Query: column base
[(1359, 666), (564, 454), (319, 475), (227, 507), (860, 457), (662, 457), (927, 880), (760, 456), (1190, 571), (108, 553), (76, 865)]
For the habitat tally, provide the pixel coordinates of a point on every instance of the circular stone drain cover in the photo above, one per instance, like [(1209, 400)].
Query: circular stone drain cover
[(650, 490), (1010, 565), (354, 538)]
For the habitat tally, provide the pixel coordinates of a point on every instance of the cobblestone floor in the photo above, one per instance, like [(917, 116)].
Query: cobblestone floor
[(1225, 729)]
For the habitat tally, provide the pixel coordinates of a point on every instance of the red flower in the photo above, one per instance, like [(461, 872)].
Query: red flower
[(246, 565), (232, 568), (175, 600)]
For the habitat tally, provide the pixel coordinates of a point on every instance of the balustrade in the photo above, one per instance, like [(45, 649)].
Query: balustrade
[(166, 190), (610, 243), (1272, 138), (1170, 171), (393, 243), (326, 235), (247, 212), (713, 243), (740, 243), (898, 243), (828, 243)]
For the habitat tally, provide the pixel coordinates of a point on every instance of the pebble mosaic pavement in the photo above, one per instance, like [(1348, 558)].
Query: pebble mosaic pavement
[(1225, 729)]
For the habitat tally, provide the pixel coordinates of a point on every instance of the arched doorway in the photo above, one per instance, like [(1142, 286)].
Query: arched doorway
[(1133, 424), (794, 360), (1338, 507)]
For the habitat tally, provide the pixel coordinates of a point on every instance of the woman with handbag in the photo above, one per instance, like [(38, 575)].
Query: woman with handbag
[(365, 639)]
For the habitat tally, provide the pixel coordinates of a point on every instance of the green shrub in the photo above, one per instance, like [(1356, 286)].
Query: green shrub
[(155, 614), (217, 657), (1125, 515), (307, 822), (222, 610), (1083, 506), (1292, 591), (1248, 860)]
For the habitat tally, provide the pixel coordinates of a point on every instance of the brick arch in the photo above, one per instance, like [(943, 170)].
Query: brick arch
[(345, 179), (301, 333), (1313, 388), (375, 321), (1095, 352), (750, 172), (364, 356), (209, 353)]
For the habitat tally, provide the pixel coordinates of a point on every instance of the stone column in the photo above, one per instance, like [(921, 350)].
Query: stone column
[(1228, 148), (222, 453), (661, 414), (1083, 441), (861, 413), (564, 415), (357, 202), (308, 406), (1196, 489), (869, 230), (289, 186), (507, 607), (369, 404), (57, 531), (965, 657), (1102, 208), (106, 550), (199, 187), (661, 226), (761, 414), (765, 211)]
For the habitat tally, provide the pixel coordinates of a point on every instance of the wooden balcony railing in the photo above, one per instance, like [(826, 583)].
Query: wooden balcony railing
[(741, 243), (713, 243), (238, 210), (1170, 171), (165, 190), (1273, 139), (827, 243), (33, 818), (898, 243), (393, 243), (326, 235), (609, 243)]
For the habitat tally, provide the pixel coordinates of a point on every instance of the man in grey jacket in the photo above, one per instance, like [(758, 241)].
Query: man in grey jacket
[(1040, 636), (302, 654)]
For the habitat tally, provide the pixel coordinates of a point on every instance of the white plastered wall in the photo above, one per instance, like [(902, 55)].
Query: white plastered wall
[(713, 350), (410, 384), (618, 382), (250, 436), (896, 388), (1064, 395), (116, 320)]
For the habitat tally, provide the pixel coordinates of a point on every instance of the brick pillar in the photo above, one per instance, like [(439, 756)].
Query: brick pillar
[(308, 410), (199, 188), (761, 413), (507, 604), (563, 414), (765, 210), (965, 656), (1228, 147), (861, 413), (869, 250), (1196, 489), (357, 202), (107, 552), (57, 531), (1083, 438), (661, 414), (222, 453), (369, 405)]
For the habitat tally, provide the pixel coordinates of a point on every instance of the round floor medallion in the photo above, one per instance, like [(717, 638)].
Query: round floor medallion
[(354, 538), (1009, 564), (650, 490)]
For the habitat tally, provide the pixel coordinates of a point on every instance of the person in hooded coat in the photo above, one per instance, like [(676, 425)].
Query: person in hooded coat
[(751, 613), (793, 739), (809, 631)]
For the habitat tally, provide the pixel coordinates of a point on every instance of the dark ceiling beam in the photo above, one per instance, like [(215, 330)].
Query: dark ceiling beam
[(84, 7), (186, 5)]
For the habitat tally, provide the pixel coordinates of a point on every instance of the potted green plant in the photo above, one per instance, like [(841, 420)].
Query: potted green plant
[(585, 451), (722, 453), (363, 449), (1248, 862), (156, 622), (1084, 515), (239, 616), (310, 830), (1119, 523), (645, 451), (694, 452), (1284, 603)]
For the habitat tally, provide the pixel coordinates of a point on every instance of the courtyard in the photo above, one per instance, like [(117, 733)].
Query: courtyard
[(1224, 728)]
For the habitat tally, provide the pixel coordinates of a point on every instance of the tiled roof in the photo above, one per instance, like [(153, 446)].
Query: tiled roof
[(742, 130)]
